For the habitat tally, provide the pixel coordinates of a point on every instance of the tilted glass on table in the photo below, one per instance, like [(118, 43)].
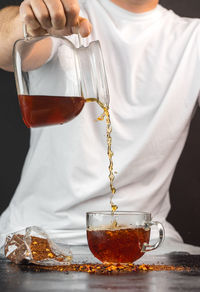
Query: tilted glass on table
[(54, 78)]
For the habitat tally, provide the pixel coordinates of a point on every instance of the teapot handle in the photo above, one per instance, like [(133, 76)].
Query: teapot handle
[(27, 37)]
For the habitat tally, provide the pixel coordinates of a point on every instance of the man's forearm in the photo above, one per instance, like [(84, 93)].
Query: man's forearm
[(10, 31)]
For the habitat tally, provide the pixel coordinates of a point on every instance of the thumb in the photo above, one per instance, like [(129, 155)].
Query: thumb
[(84, 27)]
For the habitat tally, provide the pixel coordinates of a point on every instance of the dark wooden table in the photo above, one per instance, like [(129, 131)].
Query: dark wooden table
[(20, 278)]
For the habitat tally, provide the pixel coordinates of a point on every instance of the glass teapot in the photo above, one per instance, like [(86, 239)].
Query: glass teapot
[(54, 78)]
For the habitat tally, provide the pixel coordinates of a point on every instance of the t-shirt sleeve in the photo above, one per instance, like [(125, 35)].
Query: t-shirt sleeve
[(5, 3)]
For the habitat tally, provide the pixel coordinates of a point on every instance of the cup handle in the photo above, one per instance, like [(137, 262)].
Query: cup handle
[(148, 247)]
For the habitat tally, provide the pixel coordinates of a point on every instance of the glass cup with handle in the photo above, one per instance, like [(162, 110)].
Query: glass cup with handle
[(121, 237)]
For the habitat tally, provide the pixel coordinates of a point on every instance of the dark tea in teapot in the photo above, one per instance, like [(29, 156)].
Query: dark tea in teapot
[(42, 110)]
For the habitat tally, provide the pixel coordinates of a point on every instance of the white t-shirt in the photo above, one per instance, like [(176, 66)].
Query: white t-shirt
[(153, 68)]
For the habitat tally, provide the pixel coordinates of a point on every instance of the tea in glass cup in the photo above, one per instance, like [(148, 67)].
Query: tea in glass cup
[(122, 237)]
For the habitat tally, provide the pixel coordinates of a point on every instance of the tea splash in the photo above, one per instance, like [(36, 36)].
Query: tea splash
[(111, 176)]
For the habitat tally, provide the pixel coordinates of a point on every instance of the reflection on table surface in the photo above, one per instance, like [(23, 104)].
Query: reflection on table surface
[(20, 278)]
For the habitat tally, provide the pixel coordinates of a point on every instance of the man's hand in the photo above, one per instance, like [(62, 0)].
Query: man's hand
[(60, 17)]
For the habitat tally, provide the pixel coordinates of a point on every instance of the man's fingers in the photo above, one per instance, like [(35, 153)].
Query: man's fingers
[(72, 10), (28, 17), (57, 14), (36, 32), (54, 15), (41, 13)]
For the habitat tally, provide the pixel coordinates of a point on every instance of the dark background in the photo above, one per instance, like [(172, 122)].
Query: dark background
[(185, 187)]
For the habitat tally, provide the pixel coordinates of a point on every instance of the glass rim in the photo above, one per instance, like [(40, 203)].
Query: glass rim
[(118, 213)]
